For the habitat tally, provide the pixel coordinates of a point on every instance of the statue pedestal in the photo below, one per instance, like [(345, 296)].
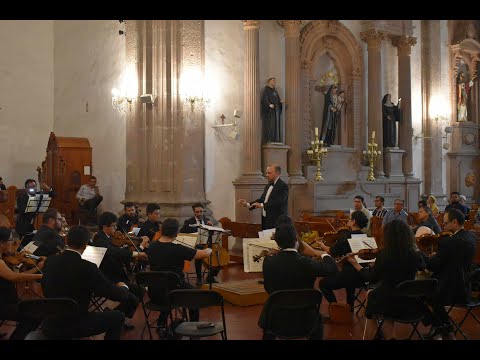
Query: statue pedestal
[(392, 165), (276, 154)]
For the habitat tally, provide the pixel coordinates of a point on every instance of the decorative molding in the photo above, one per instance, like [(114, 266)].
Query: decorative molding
[(251, 24), (373, 38), (389, 27), (292, 27), (404, 44)]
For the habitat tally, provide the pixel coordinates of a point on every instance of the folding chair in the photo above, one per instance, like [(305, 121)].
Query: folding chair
[(418, 290), (96, 303), (198, 298), (291, 314), (157, 284), (361, 303)]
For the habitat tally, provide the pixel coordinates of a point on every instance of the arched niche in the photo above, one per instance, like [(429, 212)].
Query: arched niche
[(324, 43)]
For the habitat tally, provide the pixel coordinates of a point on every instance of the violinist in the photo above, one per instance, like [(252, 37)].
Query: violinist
[(25, 220), (115, 259), (127, 221), (348, 278), (152, 225), (47, 238), (8, 291), (290, 270), (398, 261), (190, 226), (164, 255)]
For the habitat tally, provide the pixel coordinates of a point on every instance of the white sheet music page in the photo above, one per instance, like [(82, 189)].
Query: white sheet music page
[(94, 254), (208, 227), (267, 234), (254, 247), (186, 240), (30, 247), (357, 244)]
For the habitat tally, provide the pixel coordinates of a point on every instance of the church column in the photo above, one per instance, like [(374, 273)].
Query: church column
[(293, 128), (374, 38), (404, 46), (252, 140)]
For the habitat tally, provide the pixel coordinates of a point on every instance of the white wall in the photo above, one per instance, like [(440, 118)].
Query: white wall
[(89, 61), (26, 97)]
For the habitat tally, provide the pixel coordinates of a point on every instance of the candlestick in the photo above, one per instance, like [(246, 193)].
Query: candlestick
[(373, 134), (316, 131)]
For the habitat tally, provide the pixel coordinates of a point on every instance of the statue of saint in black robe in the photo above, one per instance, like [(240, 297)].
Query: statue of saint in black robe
[(331, 114), (271, 112), (390, 115)]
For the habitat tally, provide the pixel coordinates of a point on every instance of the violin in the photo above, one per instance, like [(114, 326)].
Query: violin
[(120, 239), (265, 253), (364, 254)]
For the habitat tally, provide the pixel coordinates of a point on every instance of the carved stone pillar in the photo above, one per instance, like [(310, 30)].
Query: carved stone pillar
[(404, 46), (293, 116), (374, 38)]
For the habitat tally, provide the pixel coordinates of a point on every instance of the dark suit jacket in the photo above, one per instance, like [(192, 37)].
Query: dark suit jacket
[(277, 203), (68, 275), (115, 257), (149, 229), (290, 270), (24, 220), (187, 229), (3, 187), (451, 267), (49, 241), (125, 223)]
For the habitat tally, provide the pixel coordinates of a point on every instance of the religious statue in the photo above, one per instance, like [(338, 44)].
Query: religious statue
[(390, 115), (271, 113), (463, 92), (332, 111), (470, 179)]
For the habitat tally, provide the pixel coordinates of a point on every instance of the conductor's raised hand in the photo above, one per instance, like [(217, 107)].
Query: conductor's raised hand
[(243, 202)]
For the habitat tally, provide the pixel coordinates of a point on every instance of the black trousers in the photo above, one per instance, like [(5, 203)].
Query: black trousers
[(348, 278), (129, 306), (91, 205), (198, 265), (24, 325)]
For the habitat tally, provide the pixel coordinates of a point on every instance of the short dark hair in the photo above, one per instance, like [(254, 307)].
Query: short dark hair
[(128, 204), (170, 227), (422, 203), (151, 207), (5, 234), (382, 199), (360, 219), (455, 214), (454, 193), (359, 197), (283, 219), (50, 214), (285, 236), (29, 181), (197, 205), (92, 177), (106, 219), (78, 237), (427, 210), (1, 178)]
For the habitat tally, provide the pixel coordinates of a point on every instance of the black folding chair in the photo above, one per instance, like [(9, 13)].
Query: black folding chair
[(417, 290), (157, 285), (197, 299), (96, 303), (291, 314)]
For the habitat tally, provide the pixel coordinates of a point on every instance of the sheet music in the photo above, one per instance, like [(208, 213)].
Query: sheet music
[(358, 236), (135, 231), (250, 251), (186, 240), (213, 228), (260, 235), (202, 237), (34, 203), (360, 243), (30, 247), (267, 234), (94, 254)]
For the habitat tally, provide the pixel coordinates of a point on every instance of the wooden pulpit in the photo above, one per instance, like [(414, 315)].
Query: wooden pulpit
[(67, 166)]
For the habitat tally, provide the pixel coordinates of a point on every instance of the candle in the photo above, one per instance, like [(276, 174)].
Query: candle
[(309, 151), (373, 134), (364, 152), (316, 131), (313, 142)]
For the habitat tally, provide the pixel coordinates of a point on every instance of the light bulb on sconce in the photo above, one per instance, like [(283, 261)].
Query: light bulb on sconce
[(121, 103)]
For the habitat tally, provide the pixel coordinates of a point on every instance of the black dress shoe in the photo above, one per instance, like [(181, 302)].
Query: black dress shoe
[(433, 333), (199, 282)]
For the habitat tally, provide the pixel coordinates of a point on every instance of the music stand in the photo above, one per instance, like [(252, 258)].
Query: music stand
[(38, 203), (211, 231)]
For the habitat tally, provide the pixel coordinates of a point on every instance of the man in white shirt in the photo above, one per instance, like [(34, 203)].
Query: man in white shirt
[(358, 205), (89, 197)]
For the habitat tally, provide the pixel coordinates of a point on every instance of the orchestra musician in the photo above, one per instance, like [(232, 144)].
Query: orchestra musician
[(67, 275), (290, 270), (89, 197), (164, 255), (191, 226), (47, 238), (9, 297), (25, 221), (451, 266), (398, 261), (115, 259), (348, 278), (127, 221), (152, 225)]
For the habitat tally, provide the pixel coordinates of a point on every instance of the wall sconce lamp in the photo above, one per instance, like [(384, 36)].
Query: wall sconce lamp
[(233, 133), (196, 102), (147, 99), (121, 102)]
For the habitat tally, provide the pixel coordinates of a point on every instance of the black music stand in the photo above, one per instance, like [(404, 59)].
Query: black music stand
[(211, 231), (38, 203)]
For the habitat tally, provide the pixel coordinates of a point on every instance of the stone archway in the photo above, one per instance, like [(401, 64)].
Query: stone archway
[(332, 38)]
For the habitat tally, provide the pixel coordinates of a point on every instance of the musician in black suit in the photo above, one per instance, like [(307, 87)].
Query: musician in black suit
[(47, 238), (290, 270), (25, 221), (116, 258), (129, 219), (152, 225), (451, 266), (274, 200), (191, 226), (67, 275)]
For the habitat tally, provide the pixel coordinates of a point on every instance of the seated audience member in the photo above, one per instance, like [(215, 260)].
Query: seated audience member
[(463, 201), (89, 198), (432, 204), (422, 203), (426, 219), (454, 203), (164, 255), (67, 275), (152, 225), (380, 210), (423, 230), (47, 238), (9, 297), (290, 270), (359, 205), (398, 261), (397, 213), (2, 185)]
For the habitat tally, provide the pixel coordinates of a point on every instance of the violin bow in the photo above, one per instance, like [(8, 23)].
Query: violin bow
[(135, 246), (29, 253)]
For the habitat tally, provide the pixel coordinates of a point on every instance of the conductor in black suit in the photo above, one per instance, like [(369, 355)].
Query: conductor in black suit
[(274, 200), (67, 275)]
